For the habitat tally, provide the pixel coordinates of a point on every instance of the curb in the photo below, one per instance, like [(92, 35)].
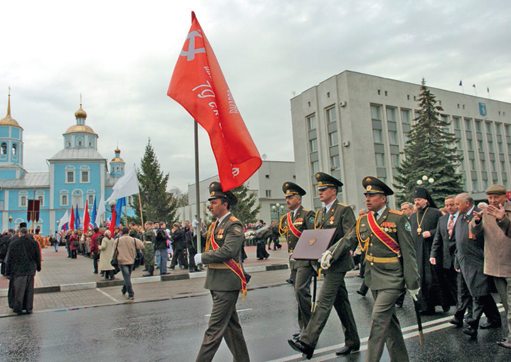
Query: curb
[(153, 279)]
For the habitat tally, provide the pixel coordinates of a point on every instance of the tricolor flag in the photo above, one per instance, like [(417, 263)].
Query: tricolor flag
[(63, 224), (72, 219), (78, 222), (198, 84)]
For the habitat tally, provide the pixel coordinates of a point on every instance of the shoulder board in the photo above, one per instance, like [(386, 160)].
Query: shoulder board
[(232, 218), (395, 212), (340, 203)]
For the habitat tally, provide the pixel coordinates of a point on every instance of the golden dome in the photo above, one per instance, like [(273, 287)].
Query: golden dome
[(117, 150), (80, 128), (81, 113), (8, 120), (117, 159)]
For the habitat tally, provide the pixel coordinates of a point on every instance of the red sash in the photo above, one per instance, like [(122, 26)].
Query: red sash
[(293, 229), (235, 267), (382, 235)]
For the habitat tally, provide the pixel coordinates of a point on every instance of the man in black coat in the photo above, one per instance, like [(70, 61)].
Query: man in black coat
[(22, 261), (424, 223), (178, 247), (5, 240), (469, 263), (443, 248)]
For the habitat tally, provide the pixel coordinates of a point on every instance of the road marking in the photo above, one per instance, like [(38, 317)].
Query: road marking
[(238, 310), (118, 329), (428, 327), (107, 295)]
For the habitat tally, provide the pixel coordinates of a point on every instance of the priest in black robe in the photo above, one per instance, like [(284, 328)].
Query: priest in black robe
[(22, 261), (424, 226)]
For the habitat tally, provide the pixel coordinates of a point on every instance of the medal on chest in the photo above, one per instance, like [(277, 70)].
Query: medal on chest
[(220, 234), (331, 220)]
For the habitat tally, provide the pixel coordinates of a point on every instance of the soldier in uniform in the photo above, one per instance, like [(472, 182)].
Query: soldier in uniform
[(225, 277), (149, 249), (391, 266), (292, 225), (333, 292)]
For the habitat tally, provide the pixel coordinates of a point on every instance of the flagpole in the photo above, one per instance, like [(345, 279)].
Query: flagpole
[(140, 206), (197, 186)]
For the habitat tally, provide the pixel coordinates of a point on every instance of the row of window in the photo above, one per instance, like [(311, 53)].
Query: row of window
[(84, 173), (23, 199), (3, 149)]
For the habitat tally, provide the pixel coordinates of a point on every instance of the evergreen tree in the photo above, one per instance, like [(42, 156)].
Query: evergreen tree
[(157, 203), (245, 210), (430, 151)]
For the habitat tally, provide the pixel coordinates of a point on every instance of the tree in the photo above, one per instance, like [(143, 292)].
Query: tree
[(430, 151), (157, 203), (181, 197), (245, 210)]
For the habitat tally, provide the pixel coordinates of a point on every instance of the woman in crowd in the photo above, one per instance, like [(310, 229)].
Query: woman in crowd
[(73, 243), (106, 251)]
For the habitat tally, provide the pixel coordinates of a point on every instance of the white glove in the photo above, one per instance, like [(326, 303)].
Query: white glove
[(198, 259), (326, 259), (414, 293)]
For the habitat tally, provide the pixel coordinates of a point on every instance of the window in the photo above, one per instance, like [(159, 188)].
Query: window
[(3, 149), (380, 161), (77, 197), (490, 146), (335, 162), (334, 138), (311, 122), (493, 166), (470, 145), (480, 145), (23, 201), (391, 114), (472, 164), (84, 176), (393, 137), (70, 177), (268, 193), (315, 167), (313, 145), (41, 200), (375, 112), (456, 122), (331, 115), (405, 116), (478, 126), (64, 199), (483, 165), (266, 176), (475, 186), (90, 197), (395, 160), (14, 149), (377, 136)]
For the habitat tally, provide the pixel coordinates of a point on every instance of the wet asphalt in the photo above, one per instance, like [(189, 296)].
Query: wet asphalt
[(172, 330)]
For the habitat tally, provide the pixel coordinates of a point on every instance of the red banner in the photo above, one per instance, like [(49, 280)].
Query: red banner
[(86, 217), (72, 219), (198, 84), (33, 208)]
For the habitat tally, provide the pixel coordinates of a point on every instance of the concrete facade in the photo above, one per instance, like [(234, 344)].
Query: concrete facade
[(266, 184), (354, 125)]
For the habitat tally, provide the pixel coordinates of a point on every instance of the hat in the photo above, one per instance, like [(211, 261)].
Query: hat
[(422, 193), (325, 180), (373, 185), (23, 225), (291, 189), (216, 192), (496, 190)]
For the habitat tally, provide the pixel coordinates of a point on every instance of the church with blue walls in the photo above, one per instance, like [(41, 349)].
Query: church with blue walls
[(77, 173)]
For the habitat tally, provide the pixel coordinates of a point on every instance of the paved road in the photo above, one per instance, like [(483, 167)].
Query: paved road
[(172, 330)]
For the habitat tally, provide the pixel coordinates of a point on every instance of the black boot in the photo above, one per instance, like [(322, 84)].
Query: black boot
[(150, 271)]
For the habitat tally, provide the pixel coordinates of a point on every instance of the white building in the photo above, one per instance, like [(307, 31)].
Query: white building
[(354, 125), (266, 183)]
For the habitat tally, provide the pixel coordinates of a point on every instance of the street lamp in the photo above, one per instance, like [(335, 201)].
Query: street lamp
[(10, 222), (424, 179), (278, 209)]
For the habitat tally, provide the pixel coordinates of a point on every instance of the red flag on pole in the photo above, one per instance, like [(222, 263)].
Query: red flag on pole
[(72, 219), (198, 84), (86, 217), (112, 222)]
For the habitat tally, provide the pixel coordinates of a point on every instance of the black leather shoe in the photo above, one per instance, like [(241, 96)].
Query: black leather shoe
[(469, 331), (346, 350), (289, 281), (456, 322), (296, 335), (361, 293), (299, 346), (489, 325)]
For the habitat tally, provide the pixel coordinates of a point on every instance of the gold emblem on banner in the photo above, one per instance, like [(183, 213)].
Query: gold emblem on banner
[(312, 241)]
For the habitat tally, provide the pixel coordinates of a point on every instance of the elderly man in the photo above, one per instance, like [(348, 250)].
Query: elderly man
[(497, 247), (407, 208)]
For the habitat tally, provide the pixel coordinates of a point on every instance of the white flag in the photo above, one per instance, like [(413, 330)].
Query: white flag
[(125, 186), (63, 220), (101, 210)]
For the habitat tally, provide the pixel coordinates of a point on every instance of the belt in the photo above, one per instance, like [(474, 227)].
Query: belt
[(218, 266), (375, 259)]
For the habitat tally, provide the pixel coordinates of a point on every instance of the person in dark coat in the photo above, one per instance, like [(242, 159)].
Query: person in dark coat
[(22, 261), (178, 247), (470, 263), (5, 240), (443, 248), (424, 224), (261, 236)]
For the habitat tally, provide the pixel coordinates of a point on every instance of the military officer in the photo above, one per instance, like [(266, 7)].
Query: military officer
[(149, 249), (225, 277), (292, 225), (391, 266), (333, 292)]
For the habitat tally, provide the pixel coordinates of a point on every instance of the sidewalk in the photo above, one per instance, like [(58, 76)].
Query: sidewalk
[(60, 273)]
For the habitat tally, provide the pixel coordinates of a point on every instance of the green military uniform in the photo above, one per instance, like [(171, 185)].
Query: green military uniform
[(223, 284), (149, 251), (301, 219), (387, 273), (333, 292)]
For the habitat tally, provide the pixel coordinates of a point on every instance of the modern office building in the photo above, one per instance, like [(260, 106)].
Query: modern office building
[(266, 183), (354, 125)]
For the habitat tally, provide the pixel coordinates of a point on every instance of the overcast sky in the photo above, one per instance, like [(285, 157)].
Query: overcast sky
[(121, 54)]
